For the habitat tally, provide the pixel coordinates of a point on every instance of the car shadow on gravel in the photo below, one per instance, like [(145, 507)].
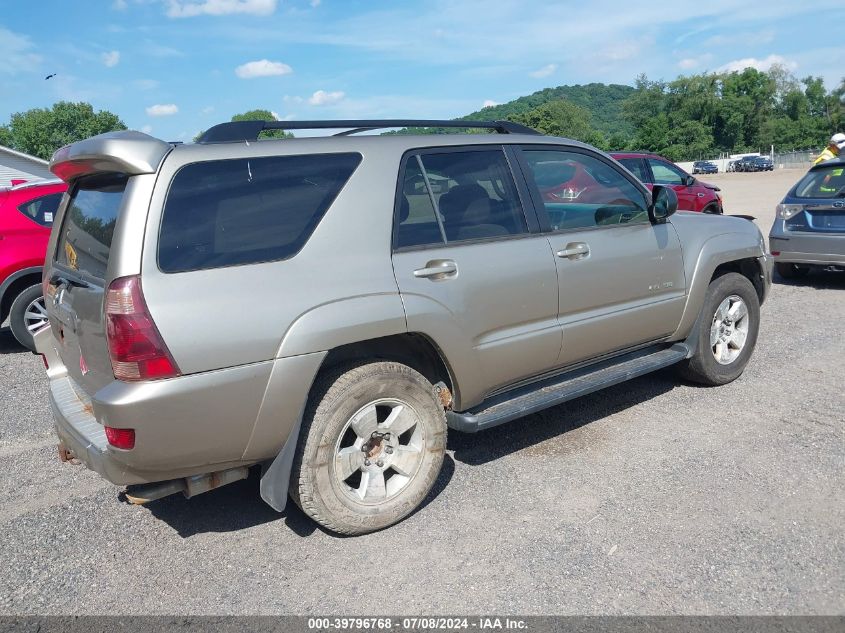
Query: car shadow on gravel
[(239, 506), (9, 344), (491, 444), (820, 280)]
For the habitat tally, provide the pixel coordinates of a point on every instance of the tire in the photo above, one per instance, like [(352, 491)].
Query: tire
[(791, 271), (386, 477), (24, 315), (734, 338), (712, 209)]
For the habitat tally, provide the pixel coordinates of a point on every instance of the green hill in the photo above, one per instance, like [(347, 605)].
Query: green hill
[(602, 101)]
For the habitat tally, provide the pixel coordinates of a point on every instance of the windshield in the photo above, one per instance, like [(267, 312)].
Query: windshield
[(828, 182)]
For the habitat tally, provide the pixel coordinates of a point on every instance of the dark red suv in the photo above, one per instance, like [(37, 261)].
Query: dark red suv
[(26, 217), (652, 169)]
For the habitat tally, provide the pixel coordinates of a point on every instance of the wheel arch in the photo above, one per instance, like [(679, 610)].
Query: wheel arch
[(14, 285), (720, 254)]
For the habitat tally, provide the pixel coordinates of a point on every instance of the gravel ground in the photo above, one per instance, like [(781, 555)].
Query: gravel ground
[(653, 497)]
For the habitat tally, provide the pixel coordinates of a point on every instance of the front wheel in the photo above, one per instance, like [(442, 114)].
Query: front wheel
[(27, 314), (727, 332), (372, 448)]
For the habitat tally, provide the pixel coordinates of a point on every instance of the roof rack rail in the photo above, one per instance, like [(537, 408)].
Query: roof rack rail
[(250, 130)]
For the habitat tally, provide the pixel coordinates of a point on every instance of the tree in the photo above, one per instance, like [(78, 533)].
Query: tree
[(258, 115), (263, 115), (561, 118), (42, 131)]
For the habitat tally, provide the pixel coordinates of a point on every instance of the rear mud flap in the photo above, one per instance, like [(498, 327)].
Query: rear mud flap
[(275, 478)]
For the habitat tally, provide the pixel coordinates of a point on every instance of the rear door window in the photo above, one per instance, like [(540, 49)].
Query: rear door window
[(637, 167), (456, 196), (88, 226), (42, 209), (247, 210)]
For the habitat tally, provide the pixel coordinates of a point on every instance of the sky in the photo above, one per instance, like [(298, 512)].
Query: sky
[(174, 67)]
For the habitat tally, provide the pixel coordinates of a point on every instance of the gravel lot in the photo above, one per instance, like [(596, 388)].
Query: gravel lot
[(654, 497)]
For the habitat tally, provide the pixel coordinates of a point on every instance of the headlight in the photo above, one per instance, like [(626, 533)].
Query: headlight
[(786, 211)]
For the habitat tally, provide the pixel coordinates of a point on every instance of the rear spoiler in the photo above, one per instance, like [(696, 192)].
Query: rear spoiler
[(126, 152)]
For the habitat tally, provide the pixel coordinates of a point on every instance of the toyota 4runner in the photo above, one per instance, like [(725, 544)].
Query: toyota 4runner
[(325, 308)]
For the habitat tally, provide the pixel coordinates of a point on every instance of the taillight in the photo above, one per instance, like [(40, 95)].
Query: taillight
[(136, 348), (121, 438)]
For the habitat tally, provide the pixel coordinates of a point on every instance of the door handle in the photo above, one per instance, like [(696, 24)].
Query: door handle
[(437, 269), (575, 250)]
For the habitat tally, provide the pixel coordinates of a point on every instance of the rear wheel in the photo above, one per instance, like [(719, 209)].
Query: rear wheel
[(727, 332), (27, 314), (791, 271), (372, 449), (713, 209)]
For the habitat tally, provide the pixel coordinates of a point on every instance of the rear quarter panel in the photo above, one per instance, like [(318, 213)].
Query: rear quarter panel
[(250, 313)]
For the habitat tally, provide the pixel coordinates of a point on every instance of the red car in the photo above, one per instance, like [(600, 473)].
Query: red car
[(652, 169), (26, 217)]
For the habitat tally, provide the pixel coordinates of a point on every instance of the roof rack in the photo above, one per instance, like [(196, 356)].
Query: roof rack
[(250, 130)]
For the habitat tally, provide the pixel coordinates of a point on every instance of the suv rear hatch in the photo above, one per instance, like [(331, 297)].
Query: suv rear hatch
[(82, 257)]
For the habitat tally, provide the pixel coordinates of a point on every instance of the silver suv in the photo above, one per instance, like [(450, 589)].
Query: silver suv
[(325, 308)]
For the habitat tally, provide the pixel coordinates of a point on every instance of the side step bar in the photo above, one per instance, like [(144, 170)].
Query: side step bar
[(559, 389)]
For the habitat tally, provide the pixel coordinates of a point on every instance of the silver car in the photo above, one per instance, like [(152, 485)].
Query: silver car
[(325, 308), (809, 228)]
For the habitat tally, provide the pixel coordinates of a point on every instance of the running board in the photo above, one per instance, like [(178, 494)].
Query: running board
[(559, 389)]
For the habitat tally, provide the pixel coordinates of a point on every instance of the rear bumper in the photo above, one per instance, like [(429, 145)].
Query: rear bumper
[(800, 247), (183, 426)]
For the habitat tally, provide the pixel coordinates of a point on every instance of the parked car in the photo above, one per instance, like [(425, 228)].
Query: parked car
[(313, 306), (704, 167), (763, 163), (809, 228), (652, 169), (746, 163), (26, 215)]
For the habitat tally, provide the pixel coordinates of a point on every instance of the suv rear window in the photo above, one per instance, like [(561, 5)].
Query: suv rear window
[(828, 182), (247, 210), (88, 226)]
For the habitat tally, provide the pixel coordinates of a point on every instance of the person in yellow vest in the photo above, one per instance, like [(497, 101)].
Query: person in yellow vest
[(836, 145)]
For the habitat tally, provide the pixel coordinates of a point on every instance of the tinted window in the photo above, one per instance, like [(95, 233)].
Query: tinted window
[(418, 223), (244, 211), (580, 191), (474, 193), (665, 174), (636, 166), (86, 236), (42, 209), (823, 183)]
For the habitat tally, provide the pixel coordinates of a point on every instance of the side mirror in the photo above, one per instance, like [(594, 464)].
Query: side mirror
[(664, 202), (689, 181)]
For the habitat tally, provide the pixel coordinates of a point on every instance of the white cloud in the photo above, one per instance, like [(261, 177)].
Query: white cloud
[(162, 109), (262, 68), (489, 103), (545, 71), (147, 129), (185, 9), (207, 110), (315, 3), (738, 65), (111, 59), (321, 97), (16, 53), (275, 116), (119, 5), (687, 63)]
